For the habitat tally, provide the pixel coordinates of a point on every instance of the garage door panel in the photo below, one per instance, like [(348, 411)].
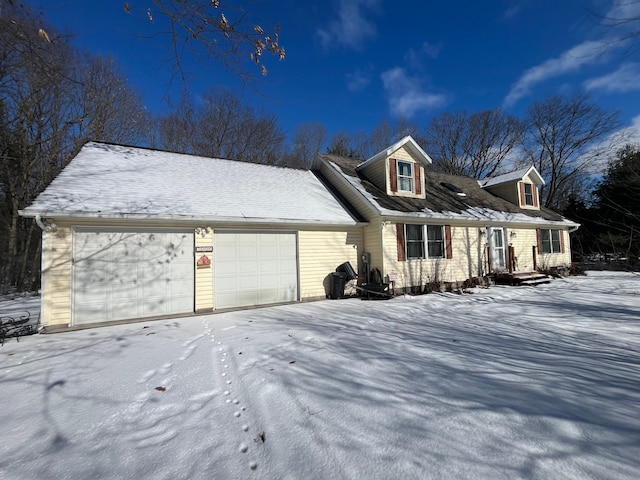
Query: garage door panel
[(254, 268), (180, 288), (130, 274), (248, 251), (248, 267)]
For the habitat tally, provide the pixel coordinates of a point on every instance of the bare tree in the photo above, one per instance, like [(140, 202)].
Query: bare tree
[(387, 133), (342, 144), (49, 98), (222, 126), (623, 19), (109, 110), (308, 140), (567, 139), (224, 31), (474, 145)]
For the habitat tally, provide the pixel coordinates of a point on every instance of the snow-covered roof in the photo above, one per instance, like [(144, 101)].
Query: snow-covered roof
[(407, 142), (514, 176), (477, 206), (114, 181)]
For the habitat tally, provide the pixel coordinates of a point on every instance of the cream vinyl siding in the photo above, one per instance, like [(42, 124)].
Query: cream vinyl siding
[(523, 241), (468, 258), (373, 245), (56, 276), (548, 260), (203, 276), (321, 252), (378, 172), (508, 191)]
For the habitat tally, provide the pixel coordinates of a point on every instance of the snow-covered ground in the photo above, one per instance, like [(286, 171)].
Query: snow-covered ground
[(504, 383)]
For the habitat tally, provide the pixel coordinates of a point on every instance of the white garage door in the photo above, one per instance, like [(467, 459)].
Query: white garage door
[(131, 273), (255, 268)]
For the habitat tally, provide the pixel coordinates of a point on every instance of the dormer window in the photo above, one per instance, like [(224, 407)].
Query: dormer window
[(405, 177), (528, 195)]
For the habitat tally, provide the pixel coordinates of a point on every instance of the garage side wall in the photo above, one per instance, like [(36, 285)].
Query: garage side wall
[(320, 252), (203, 270), (56, 276)]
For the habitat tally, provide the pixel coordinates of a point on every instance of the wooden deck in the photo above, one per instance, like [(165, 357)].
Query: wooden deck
[(521, 278)]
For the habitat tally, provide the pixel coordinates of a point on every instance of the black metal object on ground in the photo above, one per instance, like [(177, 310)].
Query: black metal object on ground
[(379, 291), (16, 326)]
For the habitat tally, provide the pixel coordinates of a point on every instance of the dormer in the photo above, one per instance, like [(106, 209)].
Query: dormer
[(519, 187), (399, 169)]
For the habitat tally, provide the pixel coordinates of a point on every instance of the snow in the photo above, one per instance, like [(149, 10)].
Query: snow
[(113, 181), (470, 214), (509, 177), (502, 383)]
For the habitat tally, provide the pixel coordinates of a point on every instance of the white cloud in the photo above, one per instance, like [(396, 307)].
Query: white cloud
[(603, 151), (570, 61), (631, 133), (351, 28), (624, 79), (622, 11), (405, 94)]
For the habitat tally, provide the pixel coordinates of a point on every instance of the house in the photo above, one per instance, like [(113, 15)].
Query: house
[(131, 233), (426, 227)]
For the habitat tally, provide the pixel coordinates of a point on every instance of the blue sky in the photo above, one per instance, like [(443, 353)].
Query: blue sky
[(352, 63)]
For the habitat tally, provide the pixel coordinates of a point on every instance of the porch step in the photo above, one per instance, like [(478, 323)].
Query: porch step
[(536, 281), (522, 278)]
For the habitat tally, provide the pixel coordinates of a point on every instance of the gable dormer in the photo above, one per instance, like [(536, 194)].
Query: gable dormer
[(519, 187), (399, 169)]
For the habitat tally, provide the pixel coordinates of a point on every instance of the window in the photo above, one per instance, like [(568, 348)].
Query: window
[(528, 194), (415, 241), (435, 241), (550, 240), (405, 177)]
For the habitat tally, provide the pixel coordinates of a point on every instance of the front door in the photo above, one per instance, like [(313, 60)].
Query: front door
[(498, 250)]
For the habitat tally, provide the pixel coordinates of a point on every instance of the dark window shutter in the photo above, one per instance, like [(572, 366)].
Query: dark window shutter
[(522, 197), (535, 196), (447, 237), (561, 235), (539, 237), (393, 174), (417, 179), (402, 249)]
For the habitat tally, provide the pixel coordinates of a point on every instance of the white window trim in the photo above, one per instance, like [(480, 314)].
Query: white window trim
[(409, 177), (549, 243), (425, 243), (531, 194)]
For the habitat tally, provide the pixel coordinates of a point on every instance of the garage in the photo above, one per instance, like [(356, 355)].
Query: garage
[(255, 268), (121, 274)]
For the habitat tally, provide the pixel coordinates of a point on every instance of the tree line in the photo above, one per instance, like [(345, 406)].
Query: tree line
[(54, 98)]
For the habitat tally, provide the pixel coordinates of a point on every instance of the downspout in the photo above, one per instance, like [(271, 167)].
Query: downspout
[(45, 227)]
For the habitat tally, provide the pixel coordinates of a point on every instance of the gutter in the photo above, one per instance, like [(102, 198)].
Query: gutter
[(84, 216)]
